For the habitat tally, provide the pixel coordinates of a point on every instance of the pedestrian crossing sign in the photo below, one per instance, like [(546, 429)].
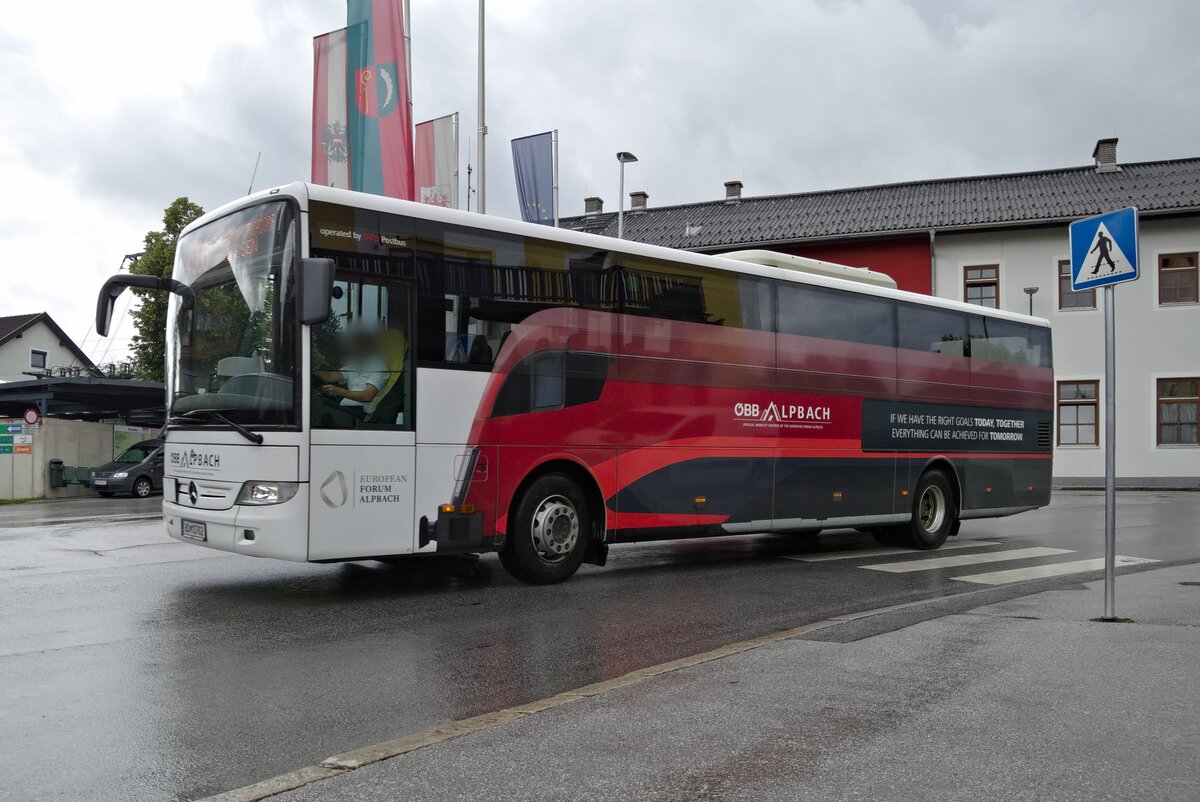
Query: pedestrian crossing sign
[(1104, 249)]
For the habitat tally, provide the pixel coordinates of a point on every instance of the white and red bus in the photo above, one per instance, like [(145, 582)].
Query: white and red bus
[(354, 377)]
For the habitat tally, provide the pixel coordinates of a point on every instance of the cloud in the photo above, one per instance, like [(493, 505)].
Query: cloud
[(116, 109)]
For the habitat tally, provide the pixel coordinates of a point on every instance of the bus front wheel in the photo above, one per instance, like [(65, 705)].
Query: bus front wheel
[(548, 533), (935, 515)]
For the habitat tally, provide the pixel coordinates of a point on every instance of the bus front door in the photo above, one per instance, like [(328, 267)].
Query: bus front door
[(363, 447)]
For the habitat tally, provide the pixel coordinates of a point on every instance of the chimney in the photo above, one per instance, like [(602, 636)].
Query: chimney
[(593, 206), (733, 191), (637, 201), (1105, 154)]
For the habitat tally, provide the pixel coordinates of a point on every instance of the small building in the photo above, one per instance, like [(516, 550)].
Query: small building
[(85, 422), (989, 240), (34, 345), (86, 417)]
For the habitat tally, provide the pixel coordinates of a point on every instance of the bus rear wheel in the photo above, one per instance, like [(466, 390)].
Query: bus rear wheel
[(548, 532), (935, 515)]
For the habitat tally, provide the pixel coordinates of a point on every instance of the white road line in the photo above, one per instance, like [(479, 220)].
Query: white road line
[(850, 554), (953, 561), (1042, 571)]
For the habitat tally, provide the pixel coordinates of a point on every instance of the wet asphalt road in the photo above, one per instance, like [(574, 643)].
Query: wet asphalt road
[(135, 667)]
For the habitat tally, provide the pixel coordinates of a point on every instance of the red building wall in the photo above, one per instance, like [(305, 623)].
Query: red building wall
[(905, 259)]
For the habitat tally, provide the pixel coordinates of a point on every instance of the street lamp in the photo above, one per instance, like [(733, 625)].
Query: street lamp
[(1030, 291), (624, 157)]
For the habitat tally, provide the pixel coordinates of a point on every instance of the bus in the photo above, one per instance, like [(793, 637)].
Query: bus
[(353, 377)]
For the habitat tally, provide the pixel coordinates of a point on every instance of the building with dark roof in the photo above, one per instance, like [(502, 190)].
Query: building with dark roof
[(33, 344), (1001, 241)]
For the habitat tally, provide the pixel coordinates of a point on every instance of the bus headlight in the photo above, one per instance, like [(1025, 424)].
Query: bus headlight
[(260, 493)]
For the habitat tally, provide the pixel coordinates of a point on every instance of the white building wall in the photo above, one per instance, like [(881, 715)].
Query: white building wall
[(15, 354), (1152, 341)]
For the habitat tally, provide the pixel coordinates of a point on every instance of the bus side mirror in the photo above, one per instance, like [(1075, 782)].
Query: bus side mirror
[(116, 285), (314, 289)]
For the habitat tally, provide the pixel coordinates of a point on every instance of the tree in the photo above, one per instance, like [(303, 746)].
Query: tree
[(148, 347)]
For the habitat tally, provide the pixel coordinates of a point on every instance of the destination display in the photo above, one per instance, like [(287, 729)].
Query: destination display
[(913, 426), (237, 237)]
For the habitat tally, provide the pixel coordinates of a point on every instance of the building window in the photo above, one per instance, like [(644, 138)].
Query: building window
[(1067, 297), (1178, 403), (1177, 279), (981, 285), (1078, 413), (37, 359)]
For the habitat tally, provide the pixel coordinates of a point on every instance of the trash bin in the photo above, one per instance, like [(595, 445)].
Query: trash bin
[(57, 479)]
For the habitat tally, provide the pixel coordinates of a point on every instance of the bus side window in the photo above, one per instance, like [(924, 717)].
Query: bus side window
[(1009, 341), (928, 328), (835, 315), (552, 380), (546, 372), (365, 344)]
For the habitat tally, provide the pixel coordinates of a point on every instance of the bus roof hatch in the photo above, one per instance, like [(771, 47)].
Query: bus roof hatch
[(817, 267)]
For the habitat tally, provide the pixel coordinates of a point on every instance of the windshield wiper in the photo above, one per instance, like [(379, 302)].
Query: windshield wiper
[(186, 417)]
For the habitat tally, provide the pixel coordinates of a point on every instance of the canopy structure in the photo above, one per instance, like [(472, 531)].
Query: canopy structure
[(88, 398)]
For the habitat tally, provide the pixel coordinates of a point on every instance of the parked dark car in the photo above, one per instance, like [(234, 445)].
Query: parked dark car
[(138, 470)]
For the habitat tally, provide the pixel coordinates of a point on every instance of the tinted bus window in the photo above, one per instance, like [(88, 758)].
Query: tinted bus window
[(473, 286), (1009, 341), (928, 328), (836, 315), (552, 380), (695, 294)]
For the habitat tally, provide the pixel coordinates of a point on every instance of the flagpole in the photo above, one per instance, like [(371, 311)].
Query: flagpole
[(554, 139), (408, 66), (454, 202), (481, 199)]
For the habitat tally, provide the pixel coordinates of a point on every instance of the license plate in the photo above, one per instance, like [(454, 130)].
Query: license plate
[(99, 481), (193, 530)]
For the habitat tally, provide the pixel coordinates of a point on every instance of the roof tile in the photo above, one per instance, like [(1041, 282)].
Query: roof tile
[(1006, 199)]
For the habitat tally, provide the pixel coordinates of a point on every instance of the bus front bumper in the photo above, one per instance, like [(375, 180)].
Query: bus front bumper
[(273, 530)]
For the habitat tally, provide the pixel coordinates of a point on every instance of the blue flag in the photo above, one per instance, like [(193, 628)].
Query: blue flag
[(533, 165)]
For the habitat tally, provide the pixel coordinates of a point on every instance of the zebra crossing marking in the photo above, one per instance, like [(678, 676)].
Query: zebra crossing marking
[(1043, 571), (883, 551), (957, 560)]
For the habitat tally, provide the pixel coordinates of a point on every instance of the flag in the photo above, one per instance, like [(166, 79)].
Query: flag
[(330, 149), (380, 121), (533, 165), (436, 160)]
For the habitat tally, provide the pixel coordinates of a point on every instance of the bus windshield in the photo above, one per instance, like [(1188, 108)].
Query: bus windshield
[(233, 354)]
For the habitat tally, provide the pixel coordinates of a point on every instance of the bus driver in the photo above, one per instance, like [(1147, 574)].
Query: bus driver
[(360, 380)]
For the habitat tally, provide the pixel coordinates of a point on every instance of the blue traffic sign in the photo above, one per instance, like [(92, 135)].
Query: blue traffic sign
[(1104, 249)]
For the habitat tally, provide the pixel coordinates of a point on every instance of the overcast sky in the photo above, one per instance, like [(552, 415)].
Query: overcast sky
[(111, 110)]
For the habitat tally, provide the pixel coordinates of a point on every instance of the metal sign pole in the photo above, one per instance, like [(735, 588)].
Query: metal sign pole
[(1113, 239), (1110, 453)]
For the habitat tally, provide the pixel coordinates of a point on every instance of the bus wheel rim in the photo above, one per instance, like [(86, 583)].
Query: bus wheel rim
[(555, 529), (931, 510)]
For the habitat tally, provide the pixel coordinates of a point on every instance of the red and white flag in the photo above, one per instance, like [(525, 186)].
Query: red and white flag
[(437, 161), (330, 139)]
